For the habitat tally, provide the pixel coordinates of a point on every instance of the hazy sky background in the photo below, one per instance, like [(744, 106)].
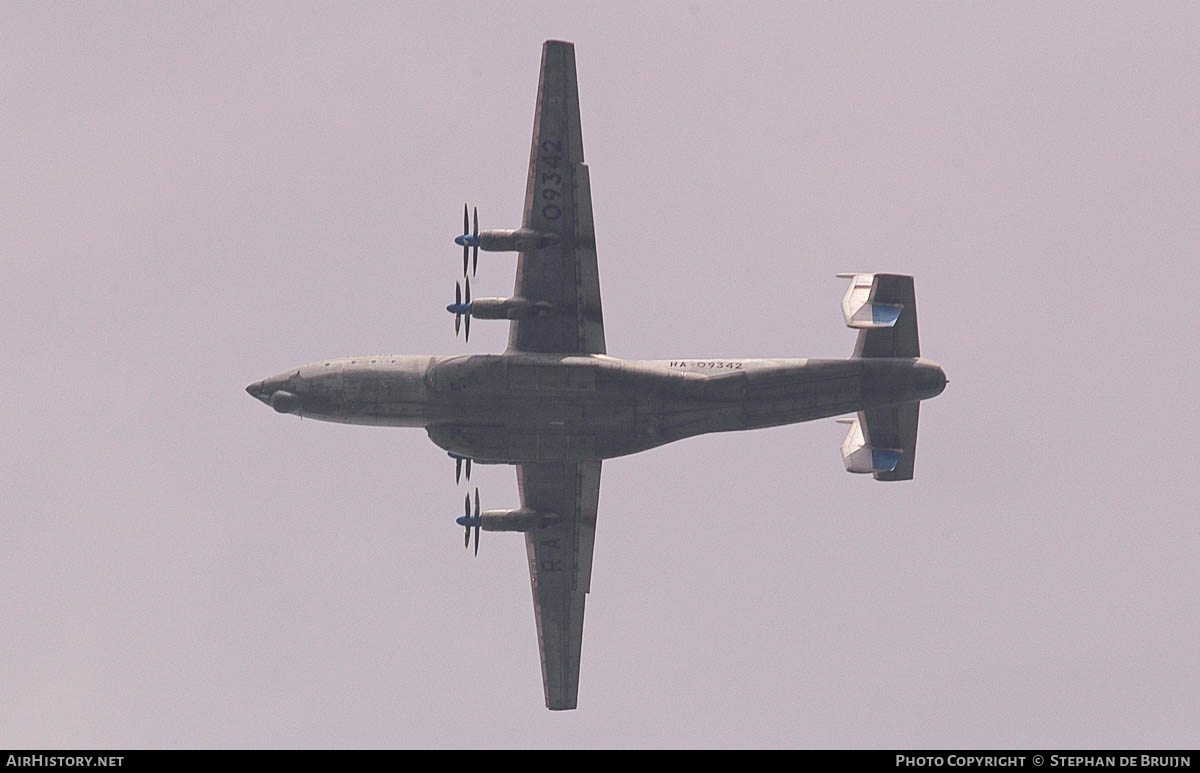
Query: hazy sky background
[(199, 195)]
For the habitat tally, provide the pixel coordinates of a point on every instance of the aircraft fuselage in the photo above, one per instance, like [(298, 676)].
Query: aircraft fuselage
[(520, 407)]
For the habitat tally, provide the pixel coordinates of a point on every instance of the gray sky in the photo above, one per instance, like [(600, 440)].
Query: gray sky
[(196, 196)]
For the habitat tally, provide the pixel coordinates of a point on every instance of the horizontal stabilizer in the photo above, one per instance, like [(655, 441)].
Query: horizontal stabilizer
[(883, 308), (883, 441)]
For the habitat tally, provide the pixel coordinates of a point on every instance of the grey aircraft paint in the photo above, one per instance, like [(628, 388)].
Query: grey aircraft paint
[(519, 407), (555, 404)]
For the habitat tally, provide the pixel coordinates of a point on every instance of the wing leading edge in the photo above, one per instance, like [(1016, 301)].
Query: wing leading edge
[(560, 567), (558, 200)]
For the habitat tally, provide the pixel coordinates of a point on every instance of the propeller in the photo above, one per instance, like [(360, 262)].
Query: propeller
[(461, 307), (467, 520), (458, 465), (469, 239), (474, 241)]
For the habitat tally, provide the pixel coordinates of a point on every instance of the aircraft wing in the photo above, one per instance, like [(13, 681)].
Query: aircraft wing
[(558, 200), (560, 567)]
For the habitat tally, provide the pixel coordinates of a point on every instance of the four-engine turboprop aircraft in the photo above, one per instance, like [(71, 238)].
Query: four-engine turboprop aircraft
[(555, 404)]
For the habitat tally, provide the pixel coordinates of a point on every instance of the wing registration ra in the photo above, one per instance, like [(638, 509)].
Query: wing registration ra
[(554, 404)]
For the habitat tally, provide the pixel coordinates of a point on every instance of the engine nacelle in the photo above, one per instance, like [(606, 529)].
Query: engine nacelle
[(508, 308), (516, 239), (862, 458), (859, 311), (521, 519)]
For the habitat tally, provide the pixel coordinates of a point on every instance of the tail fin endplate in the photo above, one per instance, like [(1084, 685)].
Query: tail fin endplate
[(883, 308), (883, 441)]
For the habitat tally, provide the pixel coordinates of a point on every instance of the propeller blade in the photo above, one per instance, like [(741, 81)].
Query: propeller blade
[(474, 246), (467, 298), (457, 302), (469, 470), (457, 470), (467, 527), (466, 248), (477, 521)]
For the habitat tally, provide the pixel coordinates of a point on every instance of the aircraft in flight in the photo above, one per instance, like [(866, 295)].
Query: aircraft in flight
[(555, 405)]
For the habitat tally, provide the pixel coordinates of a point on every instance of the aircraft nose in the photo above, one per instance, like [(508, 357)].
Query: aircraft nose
[(255, 390)]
